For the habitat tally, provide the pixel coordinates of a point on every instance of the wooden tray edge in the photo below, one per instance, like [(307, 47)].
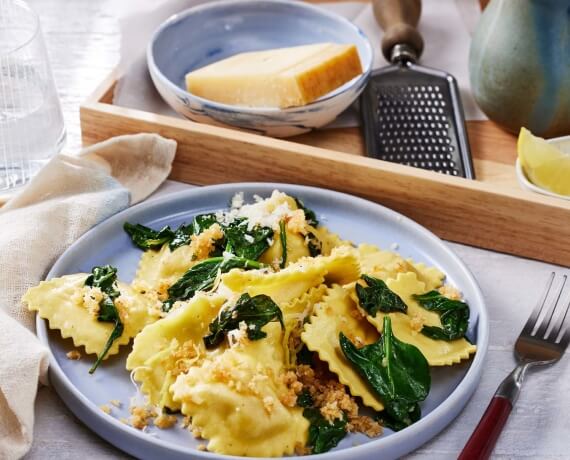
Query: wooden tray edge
[(486, 215)]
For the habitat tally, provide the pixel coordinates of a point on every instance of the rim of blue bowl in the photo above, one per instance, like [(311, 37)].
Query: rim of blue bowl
[(355, 82)]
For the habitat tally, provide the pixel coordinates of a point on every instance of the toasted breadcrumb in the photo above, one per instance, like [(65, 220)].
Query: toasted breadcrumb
[(162, 291), (329, 395), (182, 358), (116, 403), (252, 384), (140, 416), (202, 447), (92, 296), (334, 401), (449, 291), (123, 304), (150, 294), (105, 409), (417, 322), (202, 245), (296, 222), (197, 432), (165, 421), (124, 420), (365, 425), (294, 387), (268, 404), (186, 421), (73, 355), (301, 449)]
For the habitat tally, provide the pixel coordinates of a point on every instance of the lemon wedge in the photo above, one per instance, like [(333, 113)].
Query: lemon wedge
[(543, 163)]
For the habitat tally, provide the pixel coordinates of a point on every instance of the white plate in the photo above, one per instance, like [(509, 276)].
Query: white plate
[(353, 218)]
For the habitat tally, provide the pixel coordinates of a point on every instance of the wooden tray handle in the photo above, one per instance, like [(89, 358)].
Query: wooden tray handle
[(398, 19)]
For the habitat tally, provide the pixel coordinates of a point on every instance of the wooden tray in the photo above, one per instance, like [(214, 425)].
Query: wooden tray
[(491, 212)]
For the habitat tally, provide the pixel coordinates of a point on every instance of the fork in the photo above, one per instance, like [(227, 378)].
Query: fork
[(537, 345)]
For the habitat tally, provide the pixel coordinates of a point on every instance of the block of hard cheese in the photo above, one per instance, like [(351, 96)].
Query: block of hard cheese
[(284, 77)]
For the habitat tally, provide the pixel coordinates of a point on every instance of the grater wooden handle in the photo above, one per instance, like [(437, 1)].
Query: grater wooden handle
[(398, 19)]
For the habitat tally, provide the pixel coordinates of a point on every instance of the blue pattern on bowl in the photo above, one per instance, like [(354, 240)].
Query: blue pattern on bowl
[(216, 30)]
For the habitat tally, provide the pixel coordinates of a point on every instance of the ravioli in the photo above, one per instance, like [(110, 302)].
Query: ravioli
[(164, 349), (342, 265), (296, 249), (282, 286), (335, 314), (387, 264), (236, 400), (294, 315), (164, 266), (328, 240), (407, 327), (60, 301)]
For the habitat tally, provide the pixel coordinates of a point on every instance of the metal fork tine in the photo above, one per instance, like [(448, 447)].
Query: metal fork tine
[(533, 318), (543, 328), (563, 344), (557, 328)]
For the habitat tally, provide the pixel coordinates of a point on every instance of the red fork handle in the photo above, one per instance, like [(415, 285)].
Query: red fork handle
[(483, 439)]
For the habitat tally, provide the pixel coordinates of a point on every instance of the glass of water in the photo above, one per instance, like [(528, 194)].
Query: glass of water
[(31, 121)]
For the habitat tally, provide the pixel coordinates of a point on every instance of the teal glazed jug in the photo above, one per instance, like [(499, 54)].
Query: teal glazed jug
[(519, 65)]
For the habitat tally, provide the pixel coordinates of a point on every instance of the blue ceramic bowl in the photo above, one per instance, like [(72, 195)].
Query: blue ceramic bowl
[(216, 30)]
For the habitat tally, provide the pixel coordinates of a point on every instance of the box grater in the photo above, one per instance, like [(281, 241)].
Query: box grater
[(412, 114)]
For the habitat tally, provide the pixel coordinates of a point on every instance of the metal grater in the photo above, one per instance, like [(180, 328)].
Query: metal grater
[(412, 114)]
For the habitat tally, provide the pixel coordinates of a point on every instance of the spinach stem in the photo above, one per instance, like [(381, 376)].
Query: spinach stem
[(115, 334), (387, 336), (283, 239)]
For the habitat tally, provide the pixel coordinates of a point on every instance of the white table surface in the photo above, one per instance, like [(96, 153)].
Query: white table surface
[(83, 42)]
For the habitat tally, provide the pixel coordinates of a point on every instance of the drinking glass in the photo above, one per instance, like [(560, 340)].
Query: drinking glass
[(31, 121)]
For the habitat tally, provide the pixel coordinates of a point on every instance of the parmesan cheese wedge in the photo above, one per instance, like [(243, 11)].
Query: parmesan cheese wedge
[(284, 77)]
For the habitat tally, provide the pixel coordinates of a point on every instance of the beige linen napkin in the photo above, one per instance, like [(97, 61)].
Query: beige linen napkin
[(68, 197)]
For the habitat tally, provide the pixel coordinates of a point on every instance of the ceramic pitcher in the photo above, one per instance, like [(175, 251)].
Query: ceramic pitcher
[(520, 65)]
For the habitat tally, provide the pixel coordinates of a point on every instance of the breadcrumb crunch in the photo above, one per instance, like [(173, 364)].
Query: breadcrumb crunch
[(73, 355), (150, 294), (186, 421), (92, 296), (140, 416), (115, 402), (162, 290), (296, 222), (105, 409), (202, 447), (328, 394), (365, 425), (417, 322), (165, 421), (197, 432), (182, 358), (269, 404), (449, 291), (202, 244), (301, 449), (333, 400)]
